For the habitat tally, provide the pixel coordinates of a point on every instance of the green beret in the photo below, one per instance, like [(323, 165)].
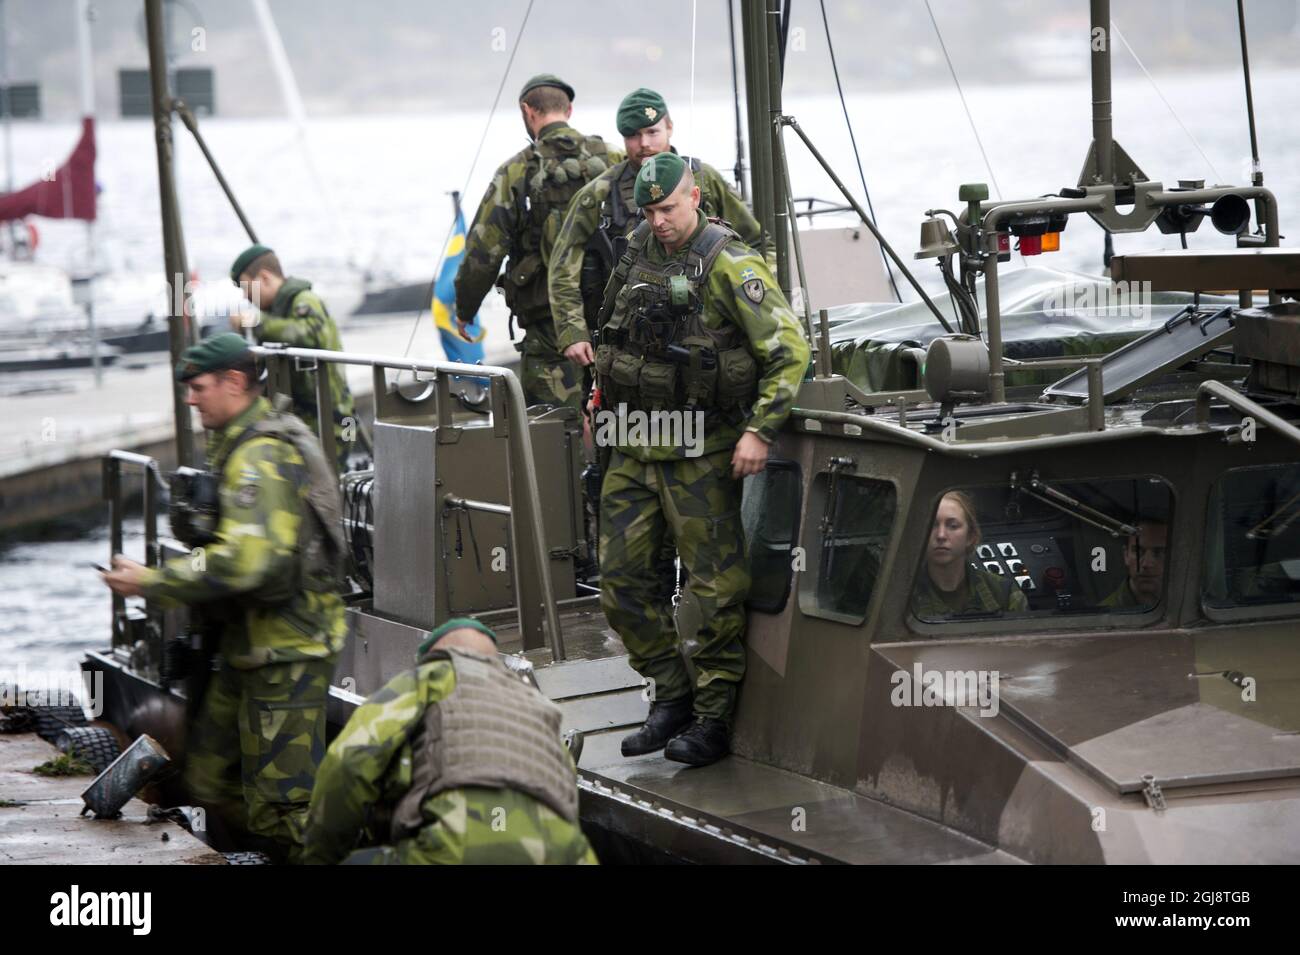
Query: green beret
[(639, 109), (658, 177), (547, 79), (455, 623), (246, 258), (212, 354)]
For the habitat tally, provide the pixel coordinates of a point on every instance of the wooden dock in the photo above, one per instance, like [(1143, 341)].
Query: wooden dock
[(40, 821)]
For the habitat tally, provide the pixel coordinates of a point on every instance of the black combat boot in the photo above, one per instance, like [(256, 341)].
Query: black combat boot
[(703, 742), (665, 720)]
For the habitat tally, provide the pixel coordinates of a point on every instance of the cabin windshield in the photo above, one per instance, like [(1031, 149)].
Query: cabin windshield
[(1252, 553), (1032, 547)]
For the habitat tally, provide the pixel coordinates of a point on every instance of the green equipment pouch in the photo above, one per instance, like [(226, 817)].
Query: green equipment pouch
[(700, 374), (737, 378), (524, 289), (604, 362), (658, 385), (625, 375)]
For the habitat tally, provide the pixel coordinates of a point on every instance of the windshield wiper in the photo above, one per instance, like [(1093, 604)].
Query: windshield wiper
[(1276, 522), (1041, 491)]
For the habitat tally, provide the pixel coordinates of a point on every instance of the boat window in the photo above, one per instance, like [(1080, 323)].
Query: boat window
[(857, 516), (1252, 552), (1034, 546), (770, 514)]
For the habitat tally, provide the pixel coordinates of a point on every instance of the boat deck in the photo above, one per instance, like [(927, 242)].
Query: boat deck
[(40, 821), (736, 810)]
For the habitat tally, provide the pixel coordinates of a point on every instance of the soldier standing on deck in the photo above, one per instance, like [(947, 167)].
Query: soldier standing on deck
[(693, 322), (266, 568), (292, 314), (604, 213), (457, 761), (519, 218)]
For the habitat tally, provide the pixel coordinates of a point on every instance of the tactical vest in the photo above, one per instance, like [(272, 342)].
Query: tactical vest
[(608, 243), (656, 353), (558, 167), (320, 534), (493, 731)]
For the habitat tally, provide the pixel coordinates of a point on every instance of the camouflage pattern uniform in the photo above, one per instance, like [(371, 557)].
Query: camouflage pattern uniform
[(593, 205), (259, 733), (649, 491), (984, 593), (1123, 598), (298, 318), (505, 224), (368, 769)]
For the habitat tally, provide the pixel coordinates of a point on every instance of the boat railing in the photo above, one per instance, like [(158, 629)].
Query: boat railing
[(113, 463), (509, 417)]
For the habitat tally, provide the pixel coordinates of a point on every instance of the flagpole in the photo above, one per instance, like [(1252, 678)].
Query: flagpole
[(5, 108), (88, 110)]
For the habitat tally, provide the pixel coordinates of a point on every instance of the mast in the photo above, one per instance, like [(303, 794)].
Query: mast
[(297, 111), (781, 224), (180, 334), (87, 90), (762, 55), (735, 94), (8, 120), (1102, 130)]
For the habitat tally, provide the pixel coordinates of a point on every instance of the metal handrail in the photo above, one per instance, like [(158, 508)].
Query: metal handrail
[(1210, 390), (519, 448), (112, 490)]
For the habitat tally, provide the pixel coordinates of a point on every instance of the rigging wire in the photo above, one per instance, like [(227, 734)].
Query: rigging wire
[(1172, 112), (964, 105), (839, 87), (691, 123), (496, 101)]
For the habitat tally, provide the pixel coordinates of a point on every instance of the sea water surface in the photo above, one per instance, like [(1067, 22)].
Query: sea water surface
[(378, 201)]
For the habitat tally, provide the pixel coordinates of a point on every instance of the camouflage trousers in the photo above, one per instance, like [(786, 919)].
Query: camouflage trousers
[(697, 501), (254, 748), (479, 826), (547, 376)]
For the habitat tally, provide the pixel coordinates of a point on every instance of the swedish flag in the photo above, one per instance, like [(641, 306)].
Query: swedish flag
[(456, 348)]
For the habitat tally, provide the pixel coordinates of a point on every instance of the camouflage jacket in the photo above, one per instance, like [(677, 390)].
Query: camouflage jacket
[(985, 593), (500, 222), (1123, 598), (245, 578), (741, 289), (369, 767), (564, 275), (298, 318)]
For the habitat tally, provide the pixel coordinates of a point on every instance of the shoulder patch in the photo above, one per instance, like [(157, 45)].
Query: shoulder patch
[(303, 310), (748, 274), (754, 290), (246, 496)]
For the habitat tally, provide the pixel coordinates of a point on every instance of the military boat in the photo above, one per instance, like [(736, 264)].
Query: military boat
[(1128, 691)]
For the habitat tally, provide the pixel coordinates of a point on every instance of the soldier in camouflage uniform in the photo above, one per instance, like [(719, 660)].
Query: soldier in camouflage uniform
[(292, 314), (519, 218), (695, 323), (950, 584), (420, 777), (1144, 560), (604, 212), (269, 574)]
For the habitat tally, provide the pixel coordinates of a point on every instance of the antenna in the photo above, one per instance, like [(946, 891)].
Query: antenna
[(1256, 173)]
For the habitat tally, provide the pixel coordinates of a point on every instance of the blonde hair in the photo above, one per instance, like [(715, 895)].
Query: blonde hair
[(968, 512)]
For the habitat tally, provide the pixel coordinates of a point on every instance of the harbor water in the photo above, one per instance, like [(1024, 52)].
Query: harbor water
[(381, 205)]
